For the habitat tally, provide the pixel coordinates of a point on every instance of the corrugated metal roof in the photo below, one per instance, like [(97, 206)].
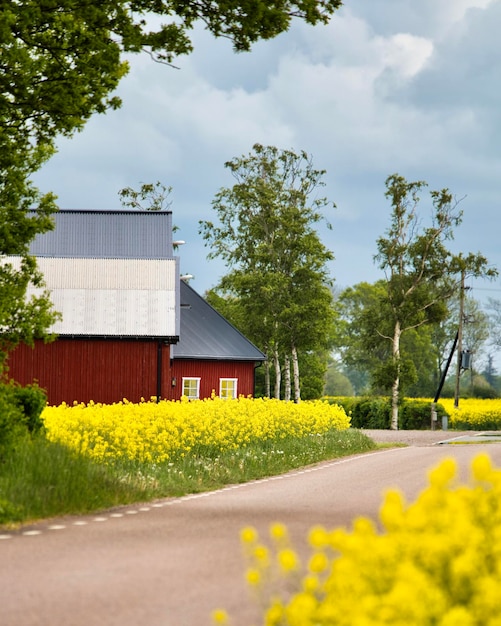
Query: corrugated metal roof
[(205, 334), (107, 234), (110, 297)]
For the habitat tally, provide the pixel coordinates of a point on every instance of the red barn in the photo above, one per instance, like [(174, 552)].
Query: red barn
[(130, 327)]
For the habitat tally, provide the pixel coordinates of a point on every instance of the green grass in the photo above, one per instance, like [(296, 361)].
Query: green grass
[(40, 479)]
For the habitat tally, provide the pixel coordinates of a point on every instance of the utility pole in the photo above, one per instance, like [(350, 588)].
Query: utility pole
[(459, 339)]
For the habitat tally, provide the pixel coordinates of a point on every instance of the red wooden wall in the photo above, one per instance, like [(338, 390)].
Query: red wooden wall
[(210, 372), (107, 371), (104, 371)]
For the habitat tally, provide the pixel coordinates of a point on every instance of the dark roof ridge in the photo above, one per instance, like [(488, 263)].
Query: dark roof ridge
[(111, 211)]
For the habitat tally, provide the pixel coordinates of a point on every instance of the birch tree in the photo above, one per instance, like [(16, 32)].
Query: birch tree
[(277, 263), (421, 273)]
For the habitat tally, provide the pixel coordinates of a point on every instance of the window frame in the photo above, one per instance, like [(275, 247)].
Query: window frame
[(234, 395), (196, 380)]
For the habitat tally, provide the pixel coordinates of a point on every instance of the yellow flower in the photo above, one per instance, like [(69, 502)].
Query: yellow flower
[(253, 577), (278, 531), (436, 562), (318, 562), (481, 467), (220, 617), (288, 560), (248, 535)]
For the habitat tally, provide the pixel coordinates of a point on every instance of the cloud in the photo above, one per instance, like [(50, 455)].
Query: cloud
[(385, 87)]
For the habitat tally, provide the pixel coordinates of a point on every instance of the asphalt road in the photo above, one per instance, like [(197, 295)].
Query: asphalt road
[(172, 562)]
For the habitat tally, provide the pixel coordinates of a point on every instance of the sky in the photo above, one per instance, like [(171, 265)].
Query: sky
[(388, 86)]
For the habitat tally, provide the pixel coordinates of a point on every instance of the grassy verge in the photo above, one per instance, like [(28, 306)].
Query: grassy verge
[(41, 479)]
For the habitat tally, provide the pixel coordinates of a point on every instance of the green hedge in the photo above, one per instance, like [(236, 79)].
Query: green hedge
[(375, 412)]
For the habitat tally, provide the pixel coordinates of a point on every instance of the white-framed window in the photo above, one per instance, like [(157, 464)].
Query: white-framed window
[(191, 388), (228, 388)]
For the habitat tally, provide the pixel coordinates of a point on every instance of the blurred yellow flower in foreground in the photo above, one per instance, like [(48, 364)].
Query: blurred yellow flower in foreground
[(433, 562)]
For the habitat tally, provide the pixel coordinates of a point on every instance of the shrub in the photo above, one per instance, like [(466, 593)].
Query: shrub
[(416, 414), (12, 427), (375, 412), (347, 402), (20, 413), (371, 413)]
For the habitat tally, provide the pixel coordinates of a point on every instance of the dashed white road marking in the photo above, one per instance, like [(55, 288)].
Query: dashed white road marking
[(205, 494)]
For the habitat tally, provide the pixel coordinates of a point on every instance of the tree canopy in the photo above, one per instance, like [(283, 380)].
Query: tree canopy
[(61, 61), (278, 265), (386, 322), (22, 319)]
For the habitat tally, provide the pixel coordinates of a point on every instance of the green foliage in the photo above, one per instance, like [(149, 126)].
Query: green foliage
[(150, 197), (371, 413), (12, 427), (24, 316), (313, 366), (375, 412), (64, 60), (32, 400), (20, 413), (347, 402), (10, 513), (266, 235), (483, 390), (337, 383), (416, 414), (421, 276)]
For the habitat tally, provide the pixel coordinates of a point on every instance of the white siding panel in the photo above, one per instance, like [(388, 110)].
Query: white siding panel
[(112, 297), (64, 273)]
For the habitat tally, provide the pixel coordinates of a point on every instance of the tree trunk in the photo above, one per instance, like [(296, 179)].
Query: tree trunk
[(395, 389), (267, 387), (287, 378), (295, 369), (278, 374)]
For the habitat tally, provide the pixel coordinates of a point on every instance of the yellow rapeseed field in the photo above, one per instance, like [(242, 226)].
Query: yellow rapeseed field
[(474, 413), (436, 562), (157, 432)]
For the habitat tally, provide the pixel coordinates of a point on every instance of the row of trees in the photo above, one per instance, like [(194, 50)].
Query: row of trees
[(393, 334), (426, 349)]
